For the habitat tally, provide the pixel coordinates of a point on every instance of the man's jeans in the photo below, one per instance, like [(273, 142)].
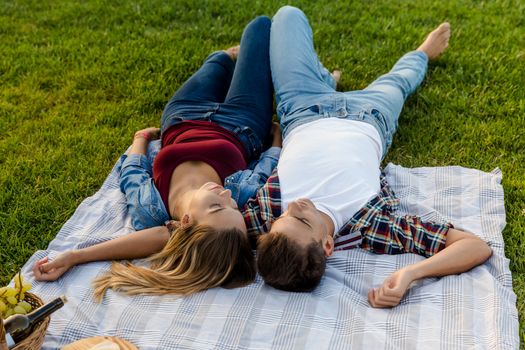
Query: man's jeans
[(305, 90), (237, 96)]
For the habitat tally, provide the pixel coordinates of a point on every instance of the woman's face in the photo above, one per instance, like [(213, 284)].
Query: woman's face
[(213, 205)]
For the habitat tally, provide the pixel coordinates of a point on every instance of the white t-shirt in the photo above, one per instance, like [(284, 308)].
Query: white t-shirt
[(334, 163)]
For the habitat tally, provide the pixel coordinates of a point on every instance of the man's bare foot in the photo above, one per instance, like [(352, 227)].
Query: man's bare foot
[(436, 42), (336, 74), (233, 52)]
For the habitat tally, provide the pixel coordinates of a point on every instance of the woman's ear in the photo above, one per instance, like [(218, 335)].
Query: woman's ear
[(186, 221), (172, 225)]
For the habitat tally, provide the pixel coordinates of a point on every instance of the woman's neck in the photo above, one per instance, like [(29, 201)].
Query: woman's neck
[(187, 178)]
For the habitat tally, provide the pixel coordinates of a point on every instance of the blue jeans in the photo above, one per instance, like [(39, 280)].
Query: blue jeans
[(237, 96), (305, 90)]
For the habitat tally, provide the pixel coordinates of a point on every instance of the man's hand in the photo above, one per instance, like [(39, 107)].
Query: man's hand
[(276, 134), (45, 270), (390, 293)]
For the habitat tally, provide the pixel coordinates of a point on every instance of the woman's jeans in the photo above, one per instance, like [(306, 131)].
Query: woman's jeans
[(305, 90), (237, 96)]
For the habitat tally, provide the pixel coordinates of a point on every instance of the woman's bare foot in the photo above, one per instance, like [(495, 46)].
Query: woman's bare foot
[(233, 52), (336, 74), (436, 42)]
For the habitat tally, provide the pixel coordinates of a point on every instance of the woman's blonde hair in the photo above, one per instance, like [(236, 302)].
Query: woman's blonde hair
[(195, 258)]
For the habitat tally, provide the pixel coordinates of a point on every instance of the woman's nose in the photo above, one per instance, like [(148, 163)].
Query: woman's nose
[(226, 194)]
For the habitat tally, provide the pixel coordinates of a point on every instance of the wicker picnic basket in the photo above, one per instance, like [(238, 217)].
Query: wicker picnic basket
[(36, 339)]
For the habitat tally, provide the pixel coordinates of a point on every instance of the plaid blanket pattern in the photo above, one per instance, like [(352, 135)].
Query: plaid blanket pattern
[(473, 310)]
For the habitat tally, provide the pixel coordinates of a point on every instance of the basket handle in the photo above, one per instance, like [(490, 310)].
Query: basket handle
[(3, 344)]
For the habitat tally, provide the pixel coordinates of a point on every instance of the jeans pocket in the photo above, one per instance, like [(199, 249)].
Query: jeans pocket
[(383, 124), (381, 120), (250, 140)]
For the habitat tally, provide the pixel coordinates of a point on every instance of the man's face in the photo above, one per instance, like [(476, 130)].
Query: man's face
[(213, 205), (302, 222)]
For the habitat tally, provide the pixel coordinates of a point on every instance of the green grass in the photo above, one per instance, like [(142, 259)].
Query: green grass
[(77, 79)]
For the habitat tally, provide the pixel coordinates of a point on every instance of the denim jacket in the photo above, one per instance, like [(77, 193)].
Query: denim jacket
[(145, 203)]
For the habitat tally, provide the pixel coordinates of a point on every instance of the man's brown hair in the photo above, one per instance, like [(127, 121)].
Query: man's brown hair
[(287, 265)]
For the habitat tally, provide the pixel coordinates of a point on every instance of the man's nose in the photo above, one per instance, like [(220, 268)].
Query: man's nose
[(293, 207)]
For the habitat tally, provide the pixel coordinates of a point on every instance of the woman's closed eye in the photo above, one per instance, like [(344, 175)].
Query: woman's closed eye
[(216, 207)]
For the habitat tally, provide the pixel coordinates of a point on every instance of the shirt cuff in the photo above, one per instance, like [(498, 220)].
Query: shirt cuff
[(138, 160), (273, 152)]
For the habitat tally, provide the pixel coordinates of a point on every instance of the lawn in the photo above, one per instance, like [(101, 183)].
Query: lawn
[(78, 78)]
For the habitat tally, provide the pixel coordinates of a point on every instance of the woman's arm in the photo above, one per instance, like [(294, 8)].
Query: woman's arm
[(142, 139), (135, 245), (143, 200)]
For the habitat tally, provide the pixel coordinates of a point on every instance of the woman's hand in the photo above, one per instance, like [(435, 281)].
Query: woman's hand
[(45, 270), (394, 287), (142, 139), (276, 134), (148, 134)]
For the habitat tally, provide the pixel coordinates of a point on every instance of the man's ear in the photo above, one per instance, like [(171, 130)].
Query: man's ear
[(328, 246), (186, 221)]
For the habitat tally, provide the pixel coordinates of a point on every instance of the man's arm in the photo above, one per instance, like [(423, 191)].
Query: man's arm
[(135, 245), (462, 252)]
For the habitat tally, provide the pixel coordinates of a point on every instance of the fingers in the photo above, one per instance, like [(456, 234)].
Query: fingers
[(36, 269), (151, 133), (378, 299), (49, 275), (387, 295), (42, 261), (155, 133), (44, 270), (47, 266), (38, 264)]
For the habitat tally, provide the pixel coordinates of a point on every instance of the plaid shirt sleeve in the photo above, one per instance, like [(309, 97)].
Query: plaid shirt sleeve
[(394, 234), (260, 212), (385, 232)]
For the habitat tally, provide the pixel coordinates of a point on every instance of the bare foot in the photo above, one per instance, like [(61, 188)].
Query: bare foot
[(233, 52), (336, 74), (436, 42)]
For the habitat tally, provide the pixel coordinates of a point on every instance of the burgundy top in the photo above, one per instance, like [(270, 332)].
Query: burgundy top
[(197, 141)]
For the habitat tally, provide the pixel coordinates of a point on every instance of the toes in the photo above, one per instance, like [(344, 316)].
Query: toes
[(444, 27), (336, 74), (233, 52), (442, 30)]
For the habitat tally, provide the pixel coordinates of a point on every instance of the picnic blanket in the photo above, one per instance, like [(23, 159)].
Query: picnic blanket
[(476, 309)]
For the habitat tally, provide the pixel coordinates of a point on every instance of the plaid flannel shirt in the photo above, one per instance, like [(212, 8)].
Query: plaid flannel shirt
[(375, 227)]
